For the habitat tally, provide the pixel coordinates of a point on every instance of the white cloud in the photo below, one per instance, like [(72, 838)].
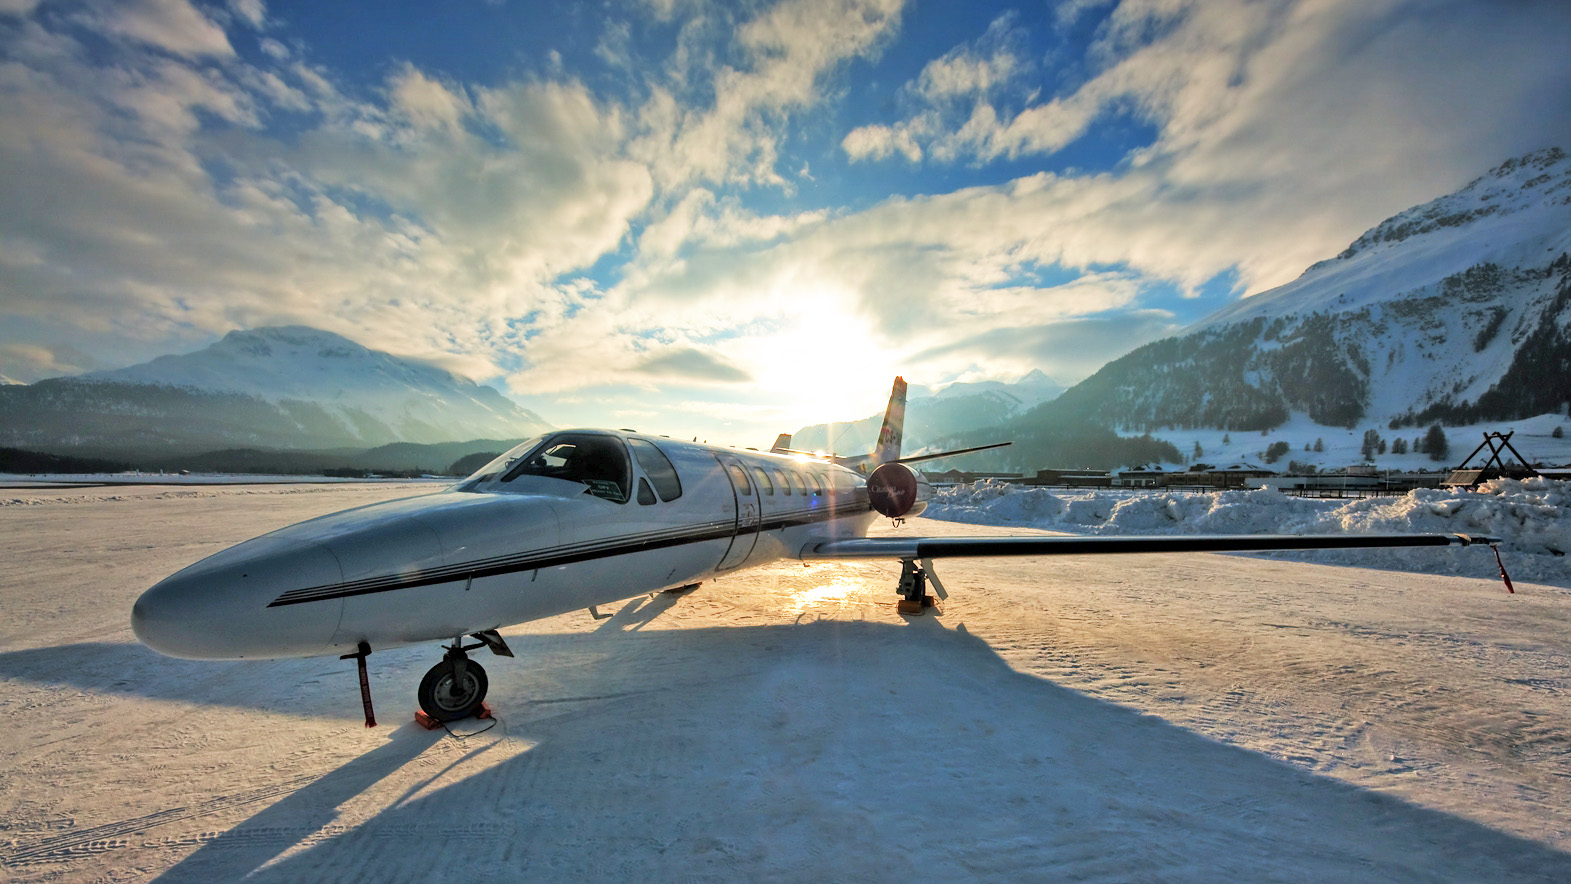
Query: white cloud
[(878, 141), (1283, 129), (426, 102), (274, 49), (174, 26), (1067, 12), (252, 12), (789, 48), (155, 201), (975, 69), (147, 196)]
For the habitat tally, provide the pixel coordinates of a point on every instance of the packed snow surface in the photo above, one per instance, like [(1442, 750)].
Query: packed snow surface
[(1169, 718), (1531, 517)]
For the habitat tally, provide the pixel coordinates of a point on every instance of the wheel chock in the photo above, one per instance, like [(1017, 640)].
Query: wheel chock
[(910, 606), (432, 724)]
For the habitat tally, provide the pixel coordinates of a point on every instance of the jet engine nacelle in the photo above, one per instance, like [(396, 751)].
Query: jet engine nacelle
[(895, 490)]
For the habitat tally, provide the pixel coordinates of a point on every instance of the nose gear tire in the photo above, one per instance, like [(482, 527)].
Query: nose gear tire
[(443, 698)]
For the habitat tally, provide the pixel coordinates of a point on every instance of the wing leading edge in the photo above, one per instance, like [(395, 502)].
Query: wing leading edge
[(960, 547)]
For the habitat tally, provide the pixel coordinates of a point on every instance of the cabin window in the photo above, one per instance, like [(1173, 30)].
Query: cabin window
[(818, 484), (764, 485), (780, 479), (646, 495), (739, 479), (658, 468), (596, 461), (796, 479)]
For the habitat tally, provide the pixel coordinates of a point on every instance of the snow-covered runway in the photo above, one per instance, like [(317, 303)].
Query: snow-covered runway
[(1176, 718)]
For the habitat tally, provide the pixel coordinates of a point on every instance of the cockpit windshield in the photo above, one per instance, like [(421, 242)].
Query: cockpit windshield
[(490, 471), (597, 461)]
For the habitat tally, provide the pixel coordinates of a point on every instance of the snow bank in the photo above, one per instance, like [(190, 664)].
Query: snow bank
[(1531, 516)]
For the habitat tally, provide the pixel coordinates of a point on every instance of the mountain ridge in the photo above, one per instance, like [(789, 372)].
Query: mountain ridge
[(1424, 317), (933, 413), (283, 387)]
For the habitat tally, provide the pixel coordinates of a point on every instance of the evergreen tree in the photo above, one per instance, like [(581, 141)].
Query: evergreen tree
[(1320, 444), (1198, 452), (1398, 446), (1435, 443), (1371, 444), (1226, 439)]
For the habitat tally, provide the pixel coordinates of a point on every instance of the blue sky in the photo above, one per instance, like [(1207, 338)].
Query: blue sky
[(719, 218)]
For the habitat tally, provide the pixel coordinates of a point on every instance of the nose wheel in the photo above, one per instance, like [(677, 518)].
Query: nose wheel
[(454, 688)]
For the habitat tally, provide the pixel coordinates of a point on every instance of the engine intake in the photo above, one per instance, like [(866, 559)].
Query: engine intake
[(895, 490)]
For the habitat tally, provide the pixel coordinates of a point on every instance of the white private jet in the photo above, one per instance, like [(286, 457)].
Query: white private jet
[(572, 520)]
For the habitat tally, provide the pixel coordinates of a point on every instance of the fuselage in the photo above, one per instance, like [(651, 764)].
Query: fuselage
[(562, 522)]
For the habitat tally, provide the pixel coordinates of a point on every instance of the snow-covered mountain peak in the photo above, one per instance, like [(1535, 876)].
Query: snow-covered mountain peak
[(289, 362), (1516, 216), (1455, 311), (371, 393), (1517, 184)]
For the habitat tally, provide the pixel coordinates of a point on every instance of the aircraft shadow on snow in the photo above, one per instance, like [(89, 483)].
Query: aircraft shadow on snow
[(308, 687), (841, 751)]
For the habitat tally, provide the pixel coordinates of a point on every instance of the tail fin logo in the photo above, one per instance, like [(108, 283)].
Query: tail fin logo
[(893, 429)]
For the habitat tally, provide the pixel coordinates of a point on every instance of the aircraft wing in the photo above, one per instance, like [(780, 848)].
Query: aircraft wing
[(961, 547)]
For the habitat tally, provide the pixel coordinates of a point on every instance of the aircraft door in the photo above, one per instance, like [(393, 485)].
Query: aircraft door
[(747, 514)]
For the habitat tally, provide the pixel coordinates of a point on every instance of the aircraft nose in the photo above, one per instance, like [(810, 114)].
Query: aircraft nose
[(218, 608)]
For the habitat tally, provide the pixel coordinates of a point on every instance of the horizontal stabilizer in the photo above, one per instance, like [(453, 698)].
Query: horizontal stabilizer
[(918, 458)]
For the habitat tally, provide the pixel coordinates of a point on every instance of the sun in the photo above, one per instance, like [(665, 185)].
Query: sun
[(820, 361)]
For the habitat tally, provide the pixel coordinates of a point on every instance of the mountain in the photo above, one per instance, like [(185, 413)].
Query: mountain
[(279, 388), (1457, 311), (935, 414)]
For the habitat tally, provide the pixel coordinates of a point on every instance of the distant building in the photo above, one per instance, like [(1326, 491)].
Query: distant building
[(968, 477), (1238, 475), (1072, 478), (1142, 477)]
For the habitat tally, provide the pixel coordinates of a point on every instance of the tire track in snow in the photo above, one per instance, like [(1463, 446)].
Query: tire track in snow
[(110, 835)]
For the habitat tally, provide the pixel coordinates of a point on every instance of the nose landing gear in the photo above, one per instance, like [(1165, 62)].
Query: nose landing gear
[(455, 688)]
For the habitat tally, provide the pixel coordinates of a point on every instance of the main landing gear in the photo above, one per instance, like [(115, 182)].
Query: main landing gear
[(455, 688), (914, 577)]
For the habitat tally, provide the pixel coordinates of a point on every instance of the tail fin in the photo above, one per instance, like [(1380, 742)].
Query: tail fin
[(782, 444), (889, 435)]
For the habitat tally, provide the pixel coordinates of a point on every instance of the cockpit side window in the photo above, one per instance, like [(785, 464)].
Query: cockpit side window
[(598, 462), (658, 468)]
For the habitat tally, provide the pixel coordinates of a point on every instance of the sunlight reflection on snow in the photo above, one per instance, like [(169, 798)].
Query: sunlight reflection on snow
[(829, 595)]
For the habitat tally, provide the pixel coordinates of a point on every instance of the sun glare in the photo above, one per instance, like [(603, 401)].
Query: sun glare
[(822, 361)]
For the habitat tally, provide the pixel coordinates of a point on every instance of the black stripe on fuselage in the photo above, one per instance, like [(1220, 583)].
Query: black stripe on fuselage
[(466, 569), (563, 555)]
